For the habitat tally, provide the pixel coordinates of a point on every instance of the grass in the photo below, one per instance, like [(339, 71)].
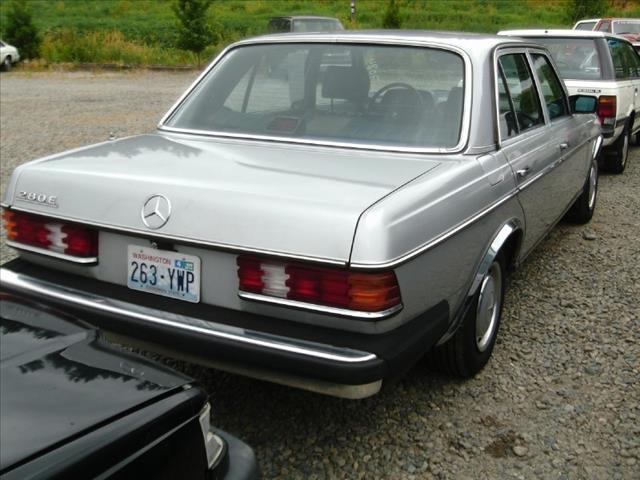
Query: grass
[(141, 32)]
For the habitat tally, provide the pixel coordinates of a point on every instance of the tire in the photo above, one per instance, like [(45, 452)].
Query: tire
[(615, 160), (6, 63), (582, 209), (469, 350)]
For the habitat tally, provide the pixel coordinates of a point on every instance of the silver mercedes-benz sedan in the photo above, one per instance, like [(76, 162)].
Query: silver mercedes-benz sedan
[(318, 210)]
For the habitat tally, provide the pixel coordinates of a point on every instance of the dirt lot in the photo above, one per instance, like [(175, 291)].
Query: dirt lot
[(560, 398)]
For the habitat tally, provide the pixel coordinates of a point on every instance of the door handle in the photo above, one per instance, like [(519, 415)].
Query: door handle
[(564, 146), (523, 172)]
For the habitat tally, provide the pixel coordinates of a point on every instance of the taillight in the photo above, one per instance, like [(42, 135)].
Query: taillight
[(335, 287), (50, 234), (607, 109)]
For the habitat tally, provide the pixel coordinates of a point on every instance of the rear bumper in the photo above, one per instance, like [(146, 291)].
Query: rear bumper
[(341, 363)]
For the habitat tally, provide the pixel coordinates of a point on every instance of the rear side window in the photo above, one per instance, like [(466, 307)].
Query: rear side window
[(522, 91), (552, 90), (625, 60), (507, 118)]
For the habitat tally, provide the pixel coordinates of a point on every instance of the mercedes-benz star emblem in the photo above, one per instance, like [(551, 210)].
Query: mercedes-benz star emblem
[(156, 211)]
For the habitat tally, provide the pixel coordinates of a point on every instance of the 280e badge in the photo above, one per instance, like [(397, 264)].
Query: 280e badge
[(39, 198)]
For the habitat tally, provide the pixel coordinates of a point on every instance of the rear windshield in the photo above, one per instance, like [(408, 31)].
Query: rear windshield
[(576, 58), (622, 26), (354, 94)]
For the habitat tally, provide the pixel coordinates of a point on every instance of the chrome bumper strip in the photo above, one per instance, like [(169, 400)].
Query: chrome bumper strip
[(105, 305), (52, 254)]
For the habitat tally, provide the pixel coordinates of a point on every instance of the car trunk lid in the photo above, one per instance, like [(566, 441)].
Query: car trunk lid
[(269, 197)]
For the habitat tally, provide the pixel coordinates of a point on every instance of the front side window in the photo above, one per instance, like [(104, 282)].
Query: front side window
[(604, 26), (585, 26), (522, 91), (552, 90), (355, 94)]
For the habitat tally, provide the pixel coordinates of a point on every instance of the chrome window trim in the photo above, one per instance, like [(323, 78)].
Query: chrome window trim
[(506, 50), (342, 312), (436, 241), (466, 109), (106, 305), (567, 105), (189, 241), (50, 253), (538, 87)]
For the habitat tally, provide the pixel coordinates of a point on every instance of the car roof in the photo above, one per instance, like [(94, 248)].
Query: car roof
[(558, 33), (303, 17), (621, 19), (463, 40)]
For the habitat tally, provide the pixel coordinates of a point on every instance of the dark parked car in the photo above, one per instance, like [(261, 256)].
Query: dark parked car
[(304, 24), (74, 406)]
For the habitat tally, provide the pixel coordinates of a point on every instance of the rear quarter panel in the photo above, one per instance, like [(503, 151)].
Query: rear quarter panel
[(435, 230)]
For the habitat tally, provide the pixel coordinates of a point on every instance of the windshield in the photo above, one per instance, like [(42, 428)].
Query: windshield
[(316, 25), (620, 27), (354, 94), (576, 58)]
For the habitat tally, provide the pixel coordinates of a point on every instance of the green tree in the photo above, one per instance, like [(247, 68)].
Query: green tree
[(579, 9), (391, 17), (194, 33), (20, 31)]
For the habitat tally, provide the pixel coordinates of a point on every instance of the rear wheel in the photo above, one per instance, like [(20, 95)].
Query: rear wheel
[(469, 350), (616, 158), (582, 209)]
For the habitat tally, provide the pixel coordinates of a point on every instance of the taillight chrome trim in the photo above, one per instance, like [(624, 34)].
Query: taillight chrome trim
[(341, 312), (51, 253)]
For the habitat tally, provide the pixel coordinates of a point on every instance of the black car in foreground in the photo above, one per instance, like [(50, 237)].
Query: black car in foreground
[(74, 406)]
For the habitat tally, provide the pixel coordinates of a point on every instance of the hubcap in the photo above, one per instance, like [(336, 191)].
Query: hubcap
[(625, 148), (593, 186), (489, 303)]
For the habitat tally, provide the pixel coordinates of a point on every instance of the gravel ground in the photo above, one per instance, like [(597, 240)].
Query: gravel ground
[(559, 399)]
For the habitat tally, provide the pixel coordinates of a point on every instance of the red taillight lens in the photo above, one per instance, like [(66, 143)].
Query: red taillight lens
[(250, 274), (50, 234), (336, 287), (607, 109)]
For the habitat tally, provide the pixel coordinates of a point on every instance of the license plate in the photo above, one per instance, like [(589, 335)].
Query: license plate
[(165, 273)]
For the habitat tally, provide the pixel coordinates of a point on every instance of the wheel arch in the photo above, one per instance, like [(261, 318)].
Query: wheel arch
[(507, 240)]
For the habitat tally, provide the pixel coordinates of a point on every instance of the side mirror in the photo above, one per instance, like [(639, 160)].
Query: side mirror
[(583, 104)]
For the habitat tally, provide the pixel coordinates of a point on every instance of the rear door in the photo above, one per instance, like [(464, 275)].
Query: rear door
[(570, 132), (529, 144)]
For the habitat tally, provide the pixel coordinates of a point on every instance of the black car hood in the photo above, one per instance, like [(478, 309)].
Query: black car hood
[(59, 379)]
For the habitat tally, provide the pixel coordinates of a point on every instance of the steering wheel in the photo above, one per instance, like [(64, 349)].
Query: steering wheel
[(530, 120), (397, 86)]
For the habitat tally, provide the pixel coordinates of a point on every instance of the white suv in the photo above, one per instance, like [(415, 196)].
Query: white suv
[(8, 55), (603, 65)]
